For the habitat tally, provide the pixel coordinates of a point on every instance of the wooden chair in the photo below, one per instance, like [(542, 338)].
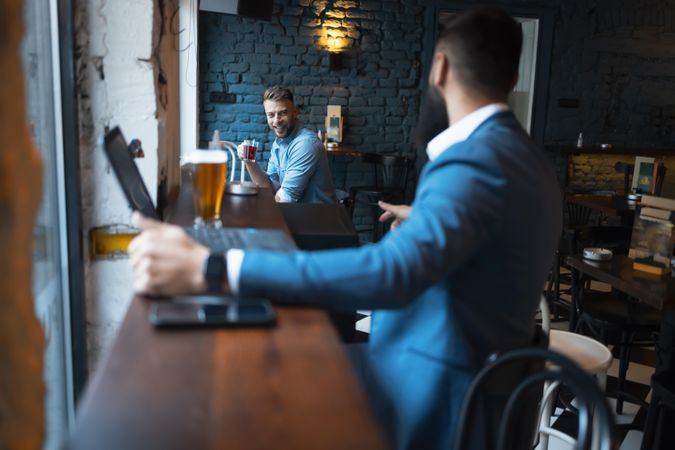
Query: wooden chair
[(390, 175), (657, 435), (614, 320), (592, 356), (510, 431)]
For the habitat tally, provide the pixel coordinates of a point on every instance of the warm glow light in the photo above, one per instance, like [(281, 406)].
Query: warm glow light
[(334, 41)]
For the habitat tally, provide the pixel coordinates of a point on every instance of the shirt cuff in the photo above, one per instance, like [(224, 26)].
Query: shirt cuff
[(235, 258), (284, 197)]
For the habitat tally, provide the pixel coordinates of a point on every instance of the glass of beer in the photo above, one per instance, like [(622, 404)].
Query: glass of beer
[(208, 183)]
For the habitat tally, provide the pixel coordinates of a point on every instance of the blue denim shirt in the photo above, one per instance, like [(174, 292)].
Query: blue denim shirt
[(299, 166)]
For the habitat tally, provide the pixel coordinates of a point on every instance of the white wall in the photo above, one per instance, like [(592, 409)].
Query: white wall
[(116, 70)]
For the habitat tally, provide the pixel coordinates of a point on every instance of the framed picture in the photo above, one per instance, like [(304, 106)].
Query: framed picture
[(643, 175)]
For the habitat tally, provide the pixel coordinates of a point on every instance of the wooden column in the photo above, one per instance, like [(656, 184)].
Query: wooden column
[(21, 337)]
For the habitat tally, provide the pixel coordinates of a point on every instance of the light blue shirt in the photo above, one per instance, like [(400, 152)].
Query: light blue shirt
[(299, 167)]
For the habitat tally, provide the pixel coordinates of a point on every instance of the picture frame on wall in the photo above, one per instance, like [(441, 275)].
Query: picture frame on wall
[(644, 175)]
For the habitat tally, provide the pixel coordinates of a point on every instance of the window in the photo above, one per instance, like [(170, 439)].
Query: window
[(50, 282)]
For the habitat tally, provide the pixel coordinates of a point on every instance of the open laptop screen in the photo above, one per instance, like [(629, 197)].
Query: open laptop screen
[(127, 174)]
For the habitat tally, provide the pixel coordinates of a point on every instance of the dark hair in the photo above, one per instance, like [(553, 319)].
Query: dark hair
[(483, 48), (278, 93)]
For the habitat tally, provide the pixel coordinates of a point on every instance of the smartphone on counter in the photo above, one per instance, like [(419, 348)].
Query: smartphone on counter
[(207, 311)]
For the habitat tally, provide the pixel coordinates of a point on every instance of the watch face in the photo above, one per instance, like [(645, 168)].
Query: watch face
[(215, 272)]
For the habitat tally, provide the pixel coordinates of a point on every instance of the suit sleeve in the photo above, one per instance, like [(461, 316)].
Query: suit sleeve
[(457, 212)]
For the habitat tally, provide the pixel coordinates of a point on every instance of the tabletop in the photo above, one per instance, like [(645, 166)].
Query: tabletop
[(288, 386), (615, 205), (343, 150), (657, 292)]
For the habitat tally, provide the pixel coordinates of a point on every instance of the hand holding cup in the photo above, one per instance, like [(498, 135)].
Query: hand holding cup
[(242, 149)]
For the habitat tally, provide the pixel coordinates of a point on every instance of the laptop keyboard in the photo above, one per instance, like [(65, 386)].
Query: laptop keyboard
[(223, 239)]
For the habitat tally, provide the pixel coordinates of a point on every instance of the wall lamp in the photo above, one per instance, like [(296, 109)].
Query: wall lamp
[(335, 43)]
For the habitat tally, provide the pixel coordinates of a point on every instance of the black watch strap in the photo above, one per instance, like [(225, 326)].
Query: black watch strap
[(215, 271)]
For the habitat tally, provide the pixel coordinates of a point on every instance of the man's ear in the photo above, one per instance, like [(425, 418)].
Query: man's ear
[(440, 70), (515, 80)]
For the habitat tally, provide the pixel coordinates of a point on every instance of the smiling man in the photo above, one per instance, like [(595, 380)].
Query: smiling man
[(298, 168)]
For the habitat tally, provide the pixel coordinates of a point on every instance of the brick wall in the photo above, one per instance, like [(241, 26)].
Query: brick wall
[(616, 60), (612, 75), (378, 86)]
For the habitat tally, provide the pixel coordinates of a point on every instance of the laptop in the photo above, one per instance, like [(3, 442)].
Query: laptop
[(217, 239)]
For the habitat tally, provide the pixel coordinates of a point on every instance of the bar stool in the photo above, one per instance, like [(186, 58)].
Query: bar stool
[(593, 357)]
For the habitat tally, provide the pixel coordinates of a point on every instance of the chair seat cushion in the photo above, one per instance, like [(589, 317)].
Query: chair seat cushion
[(589, 354)]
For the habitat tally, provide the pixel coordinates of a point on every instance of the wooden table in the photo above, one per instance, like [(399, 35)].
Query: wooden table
[(611, 205), (343, 150), (290, 386), (657, 292)]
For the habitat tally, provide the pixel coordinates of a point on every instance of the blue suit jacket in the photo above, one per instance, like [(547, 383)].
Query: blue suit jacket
[(459, 279)]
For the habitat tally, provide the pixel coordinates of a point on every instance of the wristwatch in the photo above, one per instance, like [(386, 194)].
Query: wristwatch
[(215, 271)]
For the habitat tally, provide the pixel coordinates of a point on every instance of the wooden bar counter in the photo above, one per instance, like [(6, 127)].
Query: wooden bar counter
[(289, 386)]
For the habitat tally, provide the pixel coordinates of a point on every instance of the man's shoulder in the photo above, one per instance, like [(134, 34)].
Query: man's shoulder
[(488, 142), (306, 135), (305, 140)]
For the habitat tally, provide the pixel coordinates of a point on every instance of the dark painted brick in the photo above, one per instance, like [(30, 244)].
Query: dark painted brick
[(288, 21), (304, 40), (236, 68), (338, 101), (265, 48), (306, 31), (235, 78), (375, 101), (292, 50), (369, 5), (293, 10), (283, 60)]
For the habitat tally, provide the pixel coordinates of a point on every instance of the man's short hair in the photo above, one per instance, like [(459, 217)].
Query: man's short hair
[(483, 47), (277, 94)]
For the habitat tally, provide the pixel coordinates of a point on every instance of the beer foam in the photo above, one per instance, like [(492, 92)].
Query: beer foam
[(206, 157)]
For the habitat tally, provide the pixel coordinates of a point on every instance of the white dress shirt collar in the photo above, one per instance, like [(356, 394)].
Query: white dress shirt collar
[(461, 130)]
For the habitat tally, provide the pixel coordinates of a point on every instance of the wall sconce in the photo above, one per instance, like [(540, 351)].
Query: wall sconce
[(335, 43), (334, 60)]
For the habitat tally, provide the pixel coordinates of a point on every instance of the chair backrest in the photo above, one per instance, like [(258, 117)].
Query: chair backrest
[(577, 215), (590, 398), (391, 169)]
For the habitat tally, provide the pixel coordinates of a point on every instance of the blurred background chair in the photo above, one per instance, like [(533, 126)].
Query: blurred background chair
[(390, 174), (657, 436), (614, 319), (575, 218), (508, 426)]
